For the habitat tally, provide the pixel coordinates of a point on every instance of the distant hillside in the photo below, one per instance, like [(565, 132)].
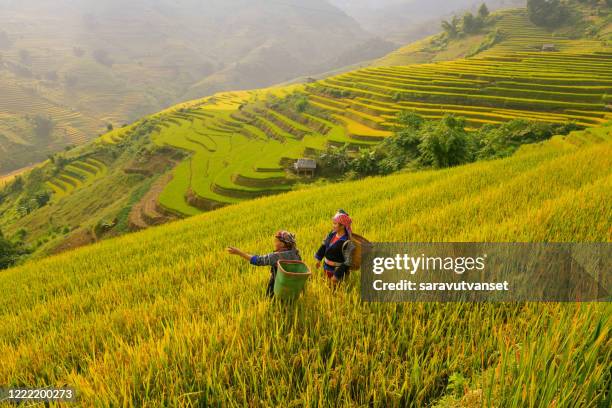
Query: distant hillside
[(405, 21), (235, 146), (514, 30), (88, 63)]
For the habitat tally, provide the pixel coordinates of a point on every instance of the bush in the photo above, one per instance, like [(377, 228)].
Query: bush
[(10, 252), (419, 143), (103, 226), (445, 144), (32, 201), (503, 140), (335, 160)]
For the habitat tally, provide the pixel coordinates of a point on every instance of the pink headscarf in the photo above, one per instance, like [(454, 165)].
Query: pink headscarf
[(343, 219)]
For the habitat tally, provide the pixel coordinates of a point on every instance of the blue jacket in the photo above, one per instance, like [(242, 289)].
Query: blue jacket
[(337, 252)]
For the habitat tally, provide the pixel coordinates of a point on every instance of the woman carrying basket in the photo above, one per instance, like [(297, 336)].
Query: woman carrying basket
[(337, 248), (284, 248)]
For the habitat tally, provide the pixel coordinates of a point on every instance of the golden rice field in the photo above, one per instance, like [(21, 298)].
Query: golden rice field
[(165, 317)]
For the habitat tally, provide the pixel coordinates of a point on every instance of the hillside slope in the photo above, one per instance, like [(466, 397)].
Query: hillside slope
[(87, 64), (510, 80), (512, 30), (164, 315), (242, 145)]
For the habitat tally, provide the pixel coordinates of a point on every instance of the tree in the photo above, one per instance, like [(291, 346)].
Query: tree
[(398, 150), (16, 186), (470, 23), (410, 119), (503, 140), (336, 159), (548, 13), (445, 143), (301, 104), (451, 27), (366, 163), (109, 127), (483, 11), (10, 252)]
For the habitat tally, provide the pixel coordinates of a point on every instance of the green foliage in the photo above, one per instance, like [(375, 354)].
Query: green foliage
[(366, 162), (504, 140), (456, 384), (336, 93), (437, 144), (483, 11), (103, 226), (10, 252), (468, 24), (59, 161), (548, 13), (335, 160), (438, 43), (471, 24), (35, 179), (21, 234), (15, 186), (494, 37), (296, 101), (301, 104), (32, 201), (410, 120), (451, 28), (445, 143)]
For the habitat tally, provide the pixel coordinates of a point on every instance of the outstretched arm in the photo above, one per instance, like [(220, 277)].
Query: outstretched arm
[(236, 251)]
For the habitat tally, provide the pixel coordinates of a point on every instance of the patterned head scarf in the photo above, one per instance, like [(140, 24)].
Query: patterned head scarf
[(343, 218), (286, 238)]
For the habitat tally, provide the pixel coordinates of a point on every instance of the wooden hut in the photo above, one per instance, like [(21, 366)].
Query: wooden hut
[(305, 166)]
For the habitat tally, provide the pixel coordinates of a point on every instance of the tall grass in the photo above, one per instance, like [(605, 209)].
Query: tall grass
[(164, 317)]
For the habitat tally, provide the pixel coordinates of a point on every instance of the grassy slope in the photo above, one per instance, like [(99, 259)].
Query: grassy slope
[(165, 315)]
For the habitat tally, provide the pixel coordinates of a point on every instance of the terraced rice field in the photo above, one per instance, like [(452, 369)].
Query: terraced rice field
[(164, 317), (72, 126), (242, 144), (76, 174)]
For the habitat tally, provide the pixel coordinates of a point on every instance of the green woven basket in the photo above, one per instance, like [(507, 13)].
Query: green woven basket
[(291, 277)]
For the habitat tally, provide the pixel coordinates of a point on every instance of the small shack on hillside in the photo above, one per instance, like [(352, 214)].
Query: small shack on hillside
[(305, 166), (549, 47)]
